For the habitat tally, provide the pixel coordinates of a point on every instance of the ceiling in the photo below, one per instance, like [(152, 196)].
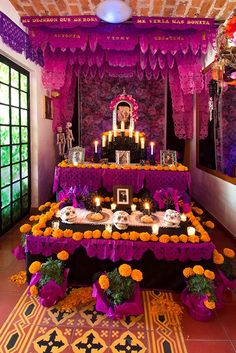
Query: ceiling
[(218, 9)]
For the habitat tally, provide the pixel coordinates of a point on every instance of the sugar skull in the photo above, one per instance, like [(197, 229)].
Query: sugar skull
[(68, 214), (121, 220), (171, 218)]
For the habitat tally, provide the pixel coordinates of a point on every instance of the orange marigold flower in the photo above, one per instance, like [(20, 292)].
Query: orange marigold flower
[(209, 274), (57, 233), (77, 236), (97, 234), (33, 290), (107, 199), (41, 208), (209, 305), (159, 167), (47, 204), (125, 236), (229, 252), (188, 272), (218, 259), (25, 228), (63, 255), (172, 168), (115, 235), (125, 270), (205, 238), (106, 234), (32, 218), (135, 199), (137, 275), (154, 237), (164, 238), (37, 233), (104, 282), (88, 234), (174, 238), (210, 224), (144, 236), (68, 233), (47, 232), (193, 239), (134, 235), (198, 270), (183, 238), (35, 267)]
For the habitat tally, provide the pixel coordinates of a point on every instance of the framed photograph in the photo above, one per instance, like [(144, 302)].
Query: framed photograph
[(122, 157), (122, 196), (168, 157), (48, 108), (76, 155)]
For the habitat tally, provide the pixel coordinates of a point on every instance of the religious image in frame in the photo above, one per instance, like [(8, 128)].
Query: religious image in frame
[(168, 157), (122, 157), (48, 108), (122, 195)]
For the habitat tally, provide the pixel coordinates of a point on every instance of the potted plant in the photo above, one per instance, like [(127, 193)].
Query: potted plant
[(199, 296), (226, 274), (117, 292), (49, 280)]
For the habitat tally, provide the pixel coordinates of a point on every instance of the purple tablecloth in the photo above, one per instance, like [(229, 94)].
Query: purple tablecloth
[(94, 178), (120, 249)]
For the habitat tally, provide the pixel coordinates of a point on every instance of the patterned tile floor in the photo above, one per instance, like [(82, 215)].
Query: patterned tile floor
[(218, 335)]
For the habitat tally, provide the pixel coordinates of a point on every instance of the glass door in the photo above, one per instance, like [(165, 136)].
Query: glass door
[(14, 143)]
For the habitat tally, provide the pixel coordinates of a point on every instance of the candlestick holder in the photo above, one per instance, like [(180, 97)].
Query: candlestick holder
[(95, 157), (152, 160)]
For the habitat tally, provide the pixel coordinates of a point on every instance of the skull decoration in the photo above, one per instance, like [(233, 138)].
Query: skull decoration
[(121, 220), (68, 214), (171, 218)]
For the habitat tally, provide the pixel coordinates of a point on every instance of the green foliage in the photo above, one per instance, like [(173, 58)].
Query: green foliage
[(201, 285), (120, 289), (228, 269), (51, 270)]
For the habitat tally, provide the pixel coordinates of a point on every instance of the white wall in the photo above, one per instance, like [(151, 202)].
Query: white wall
[(216, 195), (42, 137)]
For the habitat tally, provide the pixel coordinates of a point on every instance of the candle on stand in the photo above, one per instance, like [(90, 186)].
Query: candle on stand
[(183, 217), (191, 230), (113, 206), (155, 229), (152, 147), (109, 136), (104, 140), (133, 207), (130, 132), (115, 132), (122, 125), (142, 142), (96, 146), (147, 208), (136, 136), (97, 201), (108, 227)]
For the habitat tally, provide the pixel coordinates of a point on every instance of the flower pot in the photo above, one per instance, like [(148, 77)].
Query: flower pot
[(51, 292), (222, 279), (195, 305), (19, 252), (132, 307)]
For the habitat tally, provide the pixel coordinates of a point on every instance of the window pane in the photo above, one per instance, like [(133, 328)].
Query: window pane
[(14, 78), (4, 114), (24, 152), (4, 73), (23, 83), (23, 99), (15, 154), (24, 185), (15, 118), (25, 203), (15, 134), (4, 94), (16, 191), (6, 217), (24, 170), (24, 134), (5, 155), (6, 196), (24, 117), (15, 172), (16, 210), (4, 135), (15, 97), (5, 176)]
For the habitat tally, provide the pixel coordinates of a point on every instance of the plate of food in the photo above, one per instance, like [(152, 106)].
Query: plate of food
[(146, 219), (97, 217)]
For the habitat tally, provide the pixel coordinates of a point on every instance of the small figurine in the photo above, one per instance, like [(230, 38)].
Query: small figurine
[(61, 141), (69, 136)]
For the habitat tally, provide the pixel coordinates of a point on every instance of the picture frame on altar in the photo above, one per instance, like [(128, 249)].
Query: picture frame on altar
[(48, 113), (168, 157), (76, 155), (122, 196), (122, 157)]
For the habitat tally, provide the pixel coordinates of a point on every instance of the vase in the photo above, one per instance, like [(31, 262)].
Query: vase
[(195, 305), (51, 292), (131, 307), (222, 279)]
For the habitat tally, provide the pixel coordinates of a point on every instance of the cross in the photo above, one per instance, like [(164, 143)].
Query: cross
[(51, 343), (89, 346), (128, 347), (94, 314)]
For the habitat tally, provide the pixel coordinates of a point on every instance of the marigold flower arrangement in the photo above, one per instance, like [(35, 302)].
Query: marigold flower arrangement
[(225, 262), (200, 281), (120, 283)]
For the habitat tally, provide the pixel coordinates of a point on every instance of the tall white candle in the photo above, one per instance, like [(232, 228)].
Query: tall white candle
[(152, 147), (97, 201), (115, 132), (155, 229), (96, 146), (104, 140), (142, 142), (113, 206), (133, 207), (146, 206), (130, 132), (136, 136), (122, 125), (109, 136)]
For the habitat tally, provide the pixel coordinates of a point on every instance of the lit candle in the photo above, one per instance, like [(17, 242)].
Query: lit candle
[(113, 206), (108, 227), (142, 142), (122, 125), (104, 140), (130, 132), (115, 132), (136, 136), (155, 229), (146, 206), (191, 230), (183, 217), (109, 136), (133, 207), (152, 147), (97, 201), (75, 164), (96, 146)]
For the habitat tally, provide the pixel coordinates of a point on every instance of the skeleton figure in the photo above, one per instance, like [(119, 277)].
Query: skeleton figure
[(121, 219), (171, 218), (69, 136), (61, 141), (68, 214)]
